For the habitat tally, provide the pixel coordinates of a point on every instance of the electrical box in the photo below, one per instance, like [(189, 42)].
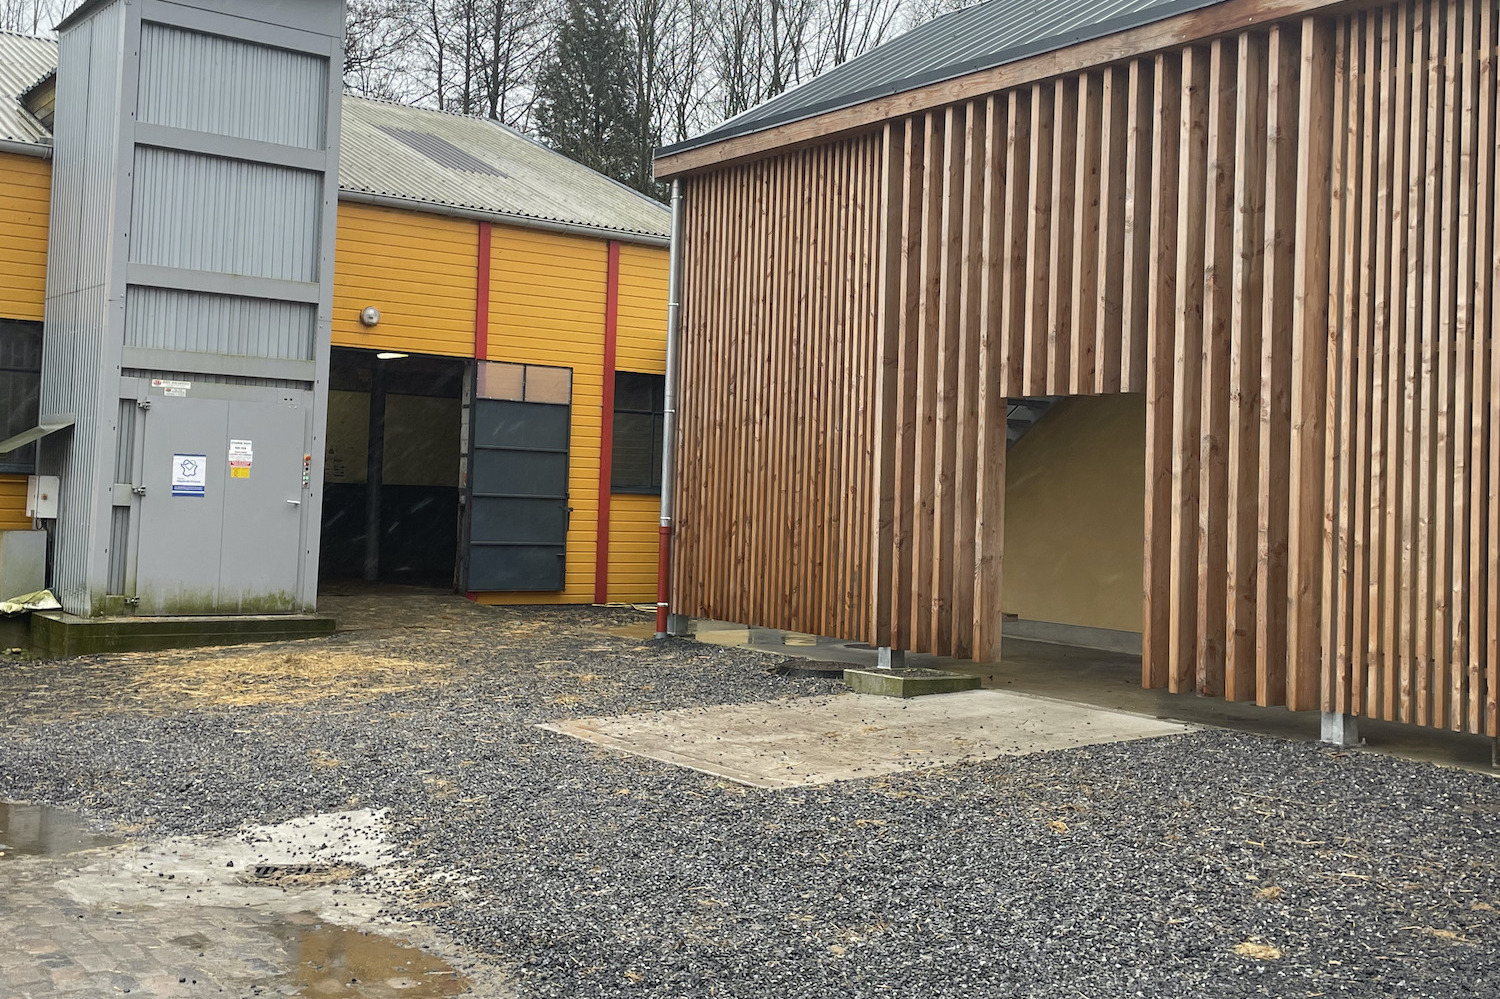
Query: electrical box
[(41, 496)]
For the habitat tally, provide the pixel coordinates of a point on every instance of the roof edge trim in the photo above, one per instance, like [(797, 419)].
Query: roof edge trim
[(519, 221), (1199, 23)]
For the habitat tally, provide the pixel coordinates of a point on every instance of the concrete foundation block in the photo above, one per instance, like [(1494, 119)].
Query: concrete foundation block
[(910, 682), (1341, 730), (889, 658), (58, 635)]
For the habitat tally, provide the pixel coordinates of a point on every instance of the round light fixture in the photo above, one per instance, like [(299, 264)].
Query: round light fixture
[(370, 316)]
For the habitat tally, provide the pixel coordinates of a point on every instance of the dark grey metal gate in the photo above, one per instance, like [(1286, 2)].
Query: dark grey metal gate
[(518, 496)]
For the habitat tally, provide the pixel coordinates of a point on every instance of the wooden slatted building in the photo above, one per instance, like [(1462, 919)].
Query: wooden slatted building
[(1275, 219)]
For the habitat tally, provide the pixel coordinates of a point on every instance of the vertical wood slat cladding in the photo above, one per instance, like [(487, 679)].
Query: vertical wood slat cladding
[(1284, 237)]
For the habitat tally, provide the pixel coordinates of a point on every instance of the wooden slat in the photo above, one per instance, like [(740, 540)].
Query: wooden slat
[(1367, 364), (1464, 672), (1243, 475), (1492, 523), (990, 445), (1310, 352), (1113, 195), (1447, 486), (1086, 225), (967, 470), (1484, 645), (1156, 639), (923, 543), (1059, 326), (1136, 294), (1276, 369), (950, 307), (1014, 319), (1218, 296), (907, 378), (1187, 383), (888, 375), (1039, 241)]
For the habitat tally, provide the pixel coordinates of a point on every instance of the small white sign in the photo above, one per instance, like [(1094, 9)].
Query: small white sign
[(189, 474), (173, 388), (241, 450)]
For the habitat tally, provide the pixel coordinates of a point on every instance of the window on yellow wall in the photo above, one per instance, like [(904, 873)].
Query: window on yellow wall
[(20, 388), (639, 405)]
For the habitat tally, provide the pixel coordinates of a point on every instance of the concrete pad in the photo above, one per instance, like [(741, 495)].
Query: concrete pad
[(818, 740), (908, 681)]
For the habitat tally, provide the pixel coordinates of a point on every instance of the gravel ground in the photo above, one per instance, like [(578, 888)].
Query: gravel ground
[(1212, 864)]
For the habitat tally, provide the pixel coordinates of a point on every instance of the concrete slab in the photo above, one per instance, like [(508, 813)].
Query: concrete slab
[(908, 682), (58, 635), (818, 740)]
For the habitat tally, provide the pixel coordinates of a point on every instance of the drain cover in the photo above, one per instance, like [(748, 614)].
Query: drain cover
[(806, 669), (299, 875)]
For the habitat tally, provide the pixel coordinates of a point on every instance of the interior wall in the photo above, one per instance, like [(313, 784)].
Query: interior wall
[(1075, 515)]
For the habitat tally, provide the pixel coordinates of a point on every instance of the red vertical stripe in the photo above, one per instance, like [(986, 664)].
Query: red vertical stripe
[(482, 296), (607, 425)]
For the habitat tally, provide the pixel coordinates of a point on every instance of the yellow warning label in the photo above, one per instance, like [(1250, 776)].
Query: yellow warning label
[(239, 472)]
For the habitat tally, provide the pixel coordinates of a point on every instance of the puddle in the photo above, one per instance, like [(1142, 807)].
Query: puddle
[(641, 632), (333, 960), (43, 831)]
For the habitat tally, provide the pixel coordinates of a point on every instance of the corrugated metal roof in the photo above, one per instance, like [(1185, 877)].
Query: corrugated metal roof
[(23, 61), (965, 41), (410, 153), (414, 155)]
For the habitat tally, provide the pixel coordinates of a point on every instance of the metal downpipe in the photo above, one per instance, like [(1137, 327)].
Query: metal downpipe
[(669, 414)]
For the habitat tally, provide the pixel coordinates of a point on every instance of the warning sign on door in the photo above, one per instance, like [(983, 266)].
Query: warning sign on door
[(241, 455), (189, 474)]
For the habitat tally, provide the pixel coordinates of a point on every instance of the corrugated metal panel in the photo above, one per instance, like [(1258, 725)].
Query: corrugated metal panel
[(278, 96), (170, 319), (185, 204), (526, 179), (119, 545), (84, 174), (964, 41), (125, 446), (23, 61)]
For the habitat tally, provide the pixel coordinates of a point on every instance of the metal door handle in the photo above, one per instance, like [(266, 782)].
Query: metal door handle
[(295, 502)]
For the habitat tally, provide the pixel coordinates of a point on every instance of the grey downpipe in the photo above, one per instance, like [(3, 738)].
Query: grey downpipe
[(669, 414)]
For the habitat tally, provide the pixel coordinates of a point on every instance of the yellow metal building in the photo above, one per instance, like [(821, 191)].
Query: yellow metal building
[(469, 258)]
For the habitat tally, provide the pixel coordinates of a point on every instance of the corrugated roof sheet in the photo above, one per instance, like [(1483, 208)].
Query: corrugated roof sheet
[(965, 41), (23, 61), (422, 155), (414, 155)]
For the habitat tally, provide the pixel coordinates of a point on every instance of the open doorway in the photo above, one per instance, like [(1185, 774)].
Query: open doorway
[(393, 474), (1075, 521)]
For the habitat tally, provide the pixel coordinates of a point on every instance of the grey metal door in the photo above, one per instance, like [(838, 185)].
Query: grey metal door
[(518, 499)]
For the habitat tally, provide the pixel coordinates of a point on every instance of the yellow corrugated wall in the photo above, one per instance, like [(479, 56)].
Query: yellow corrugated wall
[(421, 271), (13, 503), (640, 345), (25, 196), (25, 199), (547, 295)]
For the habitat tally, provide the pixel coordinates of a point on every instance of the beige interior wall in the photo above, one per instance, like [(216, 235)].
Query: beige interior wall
[(1075, 515)]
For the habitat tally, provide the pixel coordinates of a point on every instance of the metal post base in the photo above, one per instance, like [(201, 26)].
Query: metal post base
[(677, 625), (889, 658), (1340, 730)]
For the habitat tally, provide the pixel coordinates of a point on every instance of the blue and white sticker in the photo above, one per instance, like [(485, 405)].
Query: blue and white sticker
[(189, 474)]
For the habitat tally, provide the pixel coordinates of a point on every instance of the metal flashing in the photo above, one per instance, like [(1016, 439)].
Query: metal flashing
[(47, 425)]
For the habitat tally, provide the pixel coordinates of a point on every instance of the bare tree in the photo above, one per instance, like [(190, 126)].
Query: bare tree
[(30, 17)]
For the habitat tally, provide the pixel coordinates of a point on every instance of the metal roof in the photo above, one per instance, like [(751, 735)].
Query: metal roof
[(469, 163), (23, 61), (965, 41), (424, 159)]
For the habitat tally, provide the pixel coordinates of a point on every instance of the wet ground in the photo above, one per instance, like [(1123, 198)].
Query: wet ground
[(420, 832)]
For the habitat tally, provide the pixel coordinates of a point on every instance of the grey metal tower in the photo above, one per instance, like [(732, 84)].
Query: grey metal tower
[(189, 293)]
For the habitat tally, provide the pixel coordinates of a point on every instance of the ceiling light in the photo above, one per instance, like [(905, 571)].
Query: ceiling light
[(389, 355)]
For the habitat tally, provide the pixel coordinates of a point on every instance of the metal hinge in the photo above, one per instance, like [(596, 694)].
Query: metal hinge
[(144, 404), (138, 490), (132, 601)]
